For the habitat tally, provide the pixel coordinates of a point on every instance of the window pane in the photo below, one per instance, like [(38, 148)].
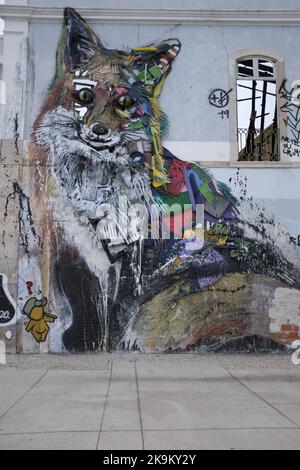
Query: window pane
[(257, 120), (245, 68), (265, 68)]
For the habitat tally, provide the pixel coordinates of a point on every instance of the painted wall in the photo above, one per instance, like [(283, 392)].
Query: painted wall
[(268, 197)]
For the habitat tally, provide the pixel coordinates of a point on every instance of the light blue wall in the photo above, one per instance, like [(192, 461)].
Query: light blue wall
[(172, 4)]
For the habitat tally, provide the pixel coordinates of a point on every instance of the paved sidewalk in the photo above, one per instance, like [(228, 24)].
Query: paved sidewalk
[(153, 402)]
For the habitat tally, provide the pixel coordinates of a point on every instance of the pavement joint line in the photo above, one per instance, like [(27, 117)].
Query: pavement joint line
[(33, 433), (51, 369), (258, 396), (139, 405), (24, 394), (105, 404), (149, 430), (286, 404), (202, 429)]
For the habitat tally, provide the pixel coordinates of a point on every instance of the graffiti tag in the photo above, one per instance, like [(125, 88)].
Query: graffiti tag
[(296, 354), (290, 147), (4, 315), (219, 98), (7, 304), (224, 114)]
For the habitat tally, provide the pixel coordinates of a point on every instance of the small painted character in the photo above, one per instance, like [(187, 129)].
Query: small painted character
[(38, 326)]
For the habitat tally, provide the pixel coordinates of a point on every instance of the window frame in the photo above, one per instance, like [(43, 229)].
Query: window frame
[(233, 77)]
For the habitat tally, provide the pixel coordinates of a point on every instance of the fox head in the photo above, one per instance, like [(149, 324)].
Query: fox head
[(101, 125), (111, 97)]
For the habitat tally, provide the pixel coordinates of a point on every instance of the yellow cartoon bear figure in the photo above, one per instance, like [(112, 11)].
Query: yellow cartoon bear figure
[(38, 326)]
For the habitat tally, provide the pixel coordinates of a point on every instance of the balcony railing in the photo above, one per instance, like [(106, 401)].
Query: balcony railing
[(258, 146)]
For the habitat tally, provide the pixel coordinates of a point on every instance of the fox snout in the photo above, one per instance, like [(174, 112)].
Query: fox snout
[(99, 129), (100, 136), (98, 132)]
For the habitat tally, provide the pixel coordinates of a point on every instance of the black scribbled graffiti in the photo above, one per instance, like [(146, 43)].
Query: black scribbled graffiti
[(26, 225), (16, 133), (292, 109)]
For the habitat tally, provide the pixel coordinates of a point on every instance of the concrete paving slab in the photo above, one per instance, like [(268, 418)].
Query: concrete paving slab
[(120, 440), (291, 411), (64, 400), (50, 441), (256, 362), (202, 400), (122, 411), (227, 439), (181, 367), (277, 386), (14, 383)]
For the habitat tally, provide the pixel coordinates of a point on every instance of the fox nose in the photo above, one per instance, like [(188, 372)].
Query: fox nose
[(99, 128)]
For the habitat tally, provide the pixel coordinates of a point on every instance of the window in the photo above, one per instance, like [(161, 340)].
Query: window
[(257, 109)]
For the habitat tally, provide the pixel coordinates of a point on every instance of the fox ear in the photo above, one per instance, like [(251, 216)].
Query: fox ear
[(155, 60), (78, 43)]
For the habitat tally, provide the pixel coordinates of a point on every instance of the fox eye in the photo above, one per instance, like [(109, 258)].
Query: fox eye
[(85, 95), (125, 101)]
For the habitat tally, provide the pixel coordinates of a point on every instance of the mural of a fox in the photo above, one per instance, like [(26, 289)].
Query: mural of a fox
[(114, 217), (98, 165)]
